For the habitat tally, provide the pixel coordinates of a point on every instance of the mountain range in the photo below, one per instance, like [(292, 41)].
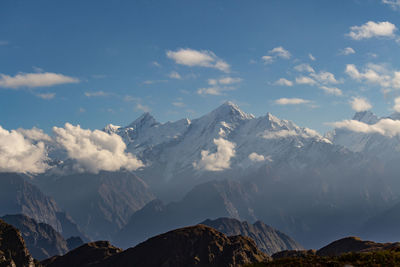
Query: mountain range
[(226, 163)]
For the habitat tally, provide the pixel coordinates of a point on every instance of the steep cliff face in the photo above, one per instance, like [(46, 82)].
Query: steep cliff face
[(13, 251), (41, 239), (268, 239), (100, 203), (22, 197)]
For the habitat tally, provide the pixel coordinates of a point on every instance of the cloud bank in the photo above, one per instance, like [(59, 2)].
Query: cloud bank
[(291, 101), (218, 161), (23, 151), (203, 58), (96, 150), (360, 104), (32, 80), (385, 127), (372, 29)]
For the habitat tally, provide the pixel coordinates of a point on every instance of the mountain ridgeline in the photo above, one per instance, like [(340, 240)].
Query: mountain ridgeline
[(226, 163)]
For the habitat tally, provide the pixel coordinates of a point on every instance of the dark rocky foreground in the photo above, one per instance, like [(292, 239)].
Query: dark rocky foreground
[(202, 246), (198, 245), (13, 251)]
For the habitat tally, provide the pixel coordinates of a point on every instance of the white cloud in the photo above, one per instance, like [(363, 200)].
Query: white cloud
[(175, 75), (32, 80), (224, 81), (395, 4), (219, 86), (46, 96), (284, 82), (304, 68), (214, 90), (156, 64), (308, 133), (277, 52), (141, 107), (96, 94), (347, 51), (204, 58), (229, 80), (219, 160), (23, 151), (312, 57), (267, 59), (305, 80), (93, 151), (375, 74), (280, 52), (372, 29), (396, 106), (360, 104), (324, 77), (291, 101), (257, 158), (386, 127), (331, 90)]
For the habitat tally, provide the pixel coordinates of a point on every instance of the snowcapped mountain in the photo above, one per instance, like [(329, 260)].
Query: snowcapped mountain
[(370, 141), (226, 142)]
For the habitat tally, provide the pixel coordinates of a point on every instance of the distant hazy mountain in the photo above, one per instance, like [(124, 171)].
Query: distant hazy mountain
[(100, 203), (268, 239), (13, 251), (41, 239), (18, 196), (209, 200), (383, 227)]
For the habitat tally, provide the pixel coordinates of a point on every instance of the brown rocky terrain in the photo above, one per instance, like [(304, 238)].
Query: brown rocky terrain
[(198, 246), (90, 254), (354, 244), (13, 251)]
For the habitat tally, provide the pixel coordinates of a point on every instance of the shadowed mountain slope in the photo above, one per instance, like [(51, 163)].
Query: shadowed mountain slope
[(18, 196), (268, 239), (40, 238)]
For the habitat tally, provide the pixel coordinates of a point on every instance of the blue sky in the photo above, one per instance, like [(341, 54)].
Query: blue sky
[(98, 62)]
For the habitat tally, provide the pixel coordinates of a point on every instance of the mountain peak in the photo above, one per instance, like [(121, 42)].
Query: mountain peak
[(230, 110), (366, 117), (146, 119)]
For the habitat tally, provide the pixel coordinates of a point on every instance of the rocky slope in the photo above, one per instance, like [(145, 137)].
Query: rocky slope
[(100, 203), (13, 251), (18, 196), (191, 246), (354, 244), (90, 254), (40, 238), (268, 239)]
